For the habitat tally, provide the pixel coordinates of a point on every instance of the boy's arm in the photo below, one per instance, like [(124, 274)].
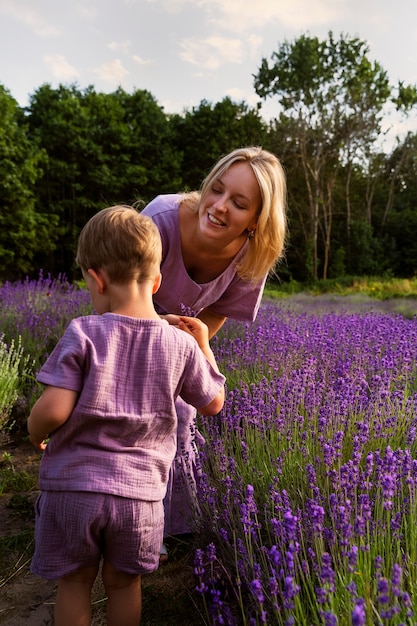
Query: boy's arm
[(199, 330), (49, 412), (215, 405)]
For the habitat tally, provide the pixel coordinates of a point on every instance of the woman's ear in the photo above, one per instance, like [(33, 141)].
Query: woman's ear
[(157, 283), (99, 279)]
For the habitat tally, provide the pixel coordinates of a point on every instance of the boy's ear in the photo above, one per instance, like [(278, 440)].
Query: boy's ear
[(157, 283), (99, 278)]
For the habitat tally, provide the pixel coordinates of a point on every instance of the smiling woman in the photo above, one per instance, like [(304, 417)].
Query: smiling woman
[(218, 247)]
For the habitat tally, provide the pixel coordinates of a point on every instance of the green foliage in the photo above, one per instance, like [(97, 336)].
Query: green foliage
[(73, 151), (209, 131), (14, 481), (331, 98), (103, 149), (14, 367), (22, 228)]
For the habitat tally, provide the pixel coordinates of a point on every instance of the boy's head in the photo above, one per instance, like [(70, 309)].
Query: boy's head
[(123, 243)]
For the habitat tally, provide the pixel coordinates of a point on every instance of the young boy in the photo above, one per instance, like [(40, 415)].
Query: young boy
[(109, 410)]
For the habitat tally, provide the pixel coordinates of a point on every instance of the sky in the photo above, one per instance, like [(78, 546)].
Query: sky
[(186, 51)]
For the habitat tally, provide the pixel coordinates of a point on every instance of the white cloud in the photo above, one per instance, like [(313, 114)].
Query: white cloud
[(236, 93), (123, 46), (113, 72), (60, 67), (211, 52), (30, 17), (246, 15), (141, 61), (171, 6)]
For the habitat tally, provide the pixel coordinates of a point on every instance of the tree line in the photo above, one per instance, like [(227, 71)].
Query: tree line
[(352, 207)]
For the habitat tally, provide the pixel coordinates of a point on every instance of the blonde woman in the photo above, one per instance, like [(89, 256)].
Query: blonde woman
[(218, 247)]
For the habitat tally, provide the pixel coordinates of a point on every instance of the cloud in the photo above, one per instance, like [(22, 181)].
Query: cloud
[(212, 52), (30, 17), (171, 6), (141, 61), (123, 46), (60, 67), (240, 17), (113, 72)]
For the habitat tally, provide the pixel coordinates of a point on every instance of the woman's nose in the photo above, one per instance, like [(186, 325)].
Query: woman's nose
[(220, 203)]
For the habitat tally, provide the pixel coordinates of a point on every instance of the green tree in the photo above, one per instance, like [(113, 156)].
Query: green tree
[(23, 230), (154, 162), (209, 131), (102, 149), (399, 221), (331, 98)]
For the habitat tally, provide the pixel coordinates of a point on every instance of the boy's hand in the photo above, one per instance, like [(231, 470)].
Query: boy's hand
[(196, 328), (40, 445)]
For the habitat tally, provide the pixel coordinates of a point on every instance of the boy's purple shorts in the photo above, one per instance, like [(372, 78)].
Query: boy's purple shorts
[(75, 529)]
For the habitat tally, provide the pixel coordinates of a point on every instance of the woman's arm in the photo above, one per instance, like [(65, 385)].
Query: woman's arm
[(213, 320), (49, 412)]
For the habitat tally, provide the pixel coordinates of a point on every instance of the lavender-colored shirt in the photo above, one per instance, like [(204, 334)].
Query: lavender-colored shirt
[(228, 295), (121, 436)]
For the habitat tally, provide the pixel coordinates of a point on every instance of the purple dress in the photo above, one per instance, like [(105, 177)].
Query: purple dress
[(229, 296)]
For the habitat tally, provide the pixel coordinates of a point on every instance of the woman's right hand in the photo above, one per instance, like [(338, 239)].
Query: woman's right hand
[(171, 318)]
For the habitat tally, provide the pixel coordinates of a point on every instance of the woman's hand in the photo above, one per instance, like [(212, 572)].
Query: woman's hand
[(39, 444), (171, 318)]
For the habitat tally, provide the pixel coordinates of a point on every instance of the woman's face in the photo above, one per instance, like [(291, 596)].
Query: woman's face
[(231, 205)]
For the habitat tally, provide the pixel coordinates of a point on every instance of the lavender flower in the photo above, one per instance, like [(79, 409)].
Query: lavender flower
[(358, 614)]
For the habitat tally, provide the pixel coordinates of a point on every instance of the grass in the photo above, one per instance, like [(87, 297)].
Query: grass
[(376, 287)]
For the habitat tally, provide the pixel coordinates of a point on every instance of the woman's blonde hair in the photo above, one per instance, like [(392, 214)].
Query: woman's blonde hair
[(266, 247), (123, 243)]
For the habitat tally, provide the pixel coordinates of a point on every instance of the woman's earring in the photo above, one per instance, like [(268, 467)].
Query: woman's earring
[(251, 234)]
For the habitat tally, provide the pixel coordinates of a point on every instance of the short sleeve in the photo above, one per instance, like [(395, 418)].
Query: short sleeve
[(65, 365)]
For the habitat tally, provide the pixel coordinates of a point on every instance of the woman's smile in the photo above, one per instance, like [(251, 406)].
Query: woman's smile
[(214, 220)]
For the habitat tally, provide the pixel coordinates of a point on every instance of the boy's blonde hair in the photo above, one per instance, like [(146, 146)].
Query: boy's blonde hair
[(267, 245), (123, 243)]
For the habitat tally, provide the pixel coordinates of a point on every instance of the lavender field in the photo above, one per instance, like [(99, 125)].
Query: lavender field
[(310, 477), (309, 474)]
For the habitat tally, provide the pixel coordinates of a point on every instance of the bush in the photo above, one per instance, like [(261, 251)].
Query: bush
[(14, 367)]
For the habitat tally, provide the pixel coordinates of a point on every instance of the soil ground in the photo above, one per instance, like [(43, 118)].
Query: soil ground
[(24, 598)]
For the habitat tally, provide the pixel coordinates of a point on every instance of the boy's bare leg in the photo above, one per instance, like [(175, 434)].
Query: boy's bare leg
[(73, 598), (124, 596)]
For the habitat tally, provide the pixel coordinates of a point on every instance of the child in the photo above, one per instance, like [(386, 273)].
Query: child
[(109, 410)]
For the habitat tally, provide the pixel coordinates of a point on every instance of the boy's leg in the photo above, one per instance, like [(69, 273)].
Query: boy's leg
[(124, 596), (73, 598)]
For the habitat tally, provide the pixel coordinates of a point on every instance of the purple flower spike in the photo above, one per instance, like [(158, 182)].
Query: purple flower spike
[(256, 588), (358, 614)]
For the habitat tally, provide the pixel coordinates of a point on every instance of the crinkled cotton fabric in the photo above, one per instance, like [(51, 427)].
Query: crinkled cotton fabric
[(74, 529), (121, 436)]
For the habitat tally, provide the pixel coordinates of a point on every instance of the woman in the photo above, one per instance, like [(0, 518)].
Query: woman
[(219, 245)]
